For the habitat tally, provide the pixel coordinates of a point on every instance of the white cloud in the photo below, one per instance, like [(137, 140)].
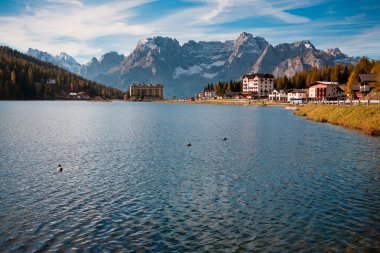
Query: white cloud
[(85, 30), (65, 2), (80, 24), (220, 11)]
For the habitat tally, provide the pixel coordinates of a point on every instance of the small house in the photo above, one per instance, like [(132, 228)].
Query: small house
[(296, 96), (366, 82), (209, 94), (280, 95), (321, 90)]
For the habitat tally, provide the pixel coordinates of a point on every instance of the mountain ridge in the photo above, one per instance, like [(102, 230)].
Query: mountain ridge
[(185, 69)]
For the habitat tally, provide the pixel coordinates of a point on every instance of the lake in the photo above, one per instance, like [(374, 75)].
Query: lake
[(278, 183)]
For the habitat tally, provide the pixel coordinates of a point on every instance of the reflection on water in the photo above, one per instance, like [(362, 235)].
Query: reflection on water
[(279, 183)]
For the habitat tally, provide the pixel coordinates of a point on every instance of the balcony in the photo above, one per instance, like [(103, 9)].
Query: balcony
[(365, 88)]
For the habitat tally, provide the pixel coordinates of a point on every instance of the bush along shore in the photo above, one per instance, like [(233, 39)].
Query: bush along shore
[(364, 118)]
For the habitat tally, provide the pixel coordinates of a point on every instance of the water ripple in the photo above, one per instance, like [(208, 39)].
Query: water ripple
[(130, 183)]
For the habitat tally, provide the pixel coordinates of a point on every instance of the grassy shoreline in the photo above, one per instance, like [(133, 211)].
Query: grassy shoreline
[(245, 102), (364, 118)]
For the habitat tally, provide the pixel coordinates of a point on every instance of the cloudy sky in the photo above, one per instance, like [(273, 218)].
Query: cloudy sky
[(84, 28)]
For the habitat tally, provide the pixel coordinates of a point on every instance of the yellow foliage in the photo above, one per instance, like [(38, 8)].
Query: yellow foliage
[(365, 118), (376, 70)]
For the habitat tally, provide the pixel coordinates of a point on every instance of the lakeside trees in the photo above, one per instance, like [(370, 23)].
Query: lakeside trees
[(337, 73), (24, 77), (343, 74), (365, 66), (222, 86)]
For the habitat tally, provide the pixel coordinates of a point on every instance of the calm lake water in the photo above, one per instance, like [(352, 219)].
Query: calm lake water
[(130, 183)]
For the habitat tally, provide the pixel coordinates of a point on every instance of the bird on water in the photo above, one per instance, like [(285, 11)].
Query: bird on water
[(189, 144), (59, 168)]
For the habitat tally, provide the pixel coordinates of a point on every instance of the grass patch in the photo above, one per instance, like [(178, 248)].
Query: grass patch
[(365, 118)]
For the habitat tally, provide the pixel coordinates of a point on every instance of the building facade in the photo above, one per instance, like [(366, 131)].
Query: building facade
[(209, 94), (259, 85), (296, 95), (325, 91), (278, 95), (146, 92), (366, 82)]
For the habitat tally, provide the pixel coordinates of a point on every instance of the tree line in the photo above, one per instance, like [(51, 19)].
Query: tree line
[(343, 74), (25, 77), (221, 87), (337, 73), (347, 74), (365, 66)]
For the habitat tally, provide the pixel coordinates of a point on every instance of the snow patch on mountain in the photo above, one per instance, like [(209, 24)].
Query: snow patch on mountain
[(188, 72), (210, 75), (206, 66), (147, 44), (218, 63)]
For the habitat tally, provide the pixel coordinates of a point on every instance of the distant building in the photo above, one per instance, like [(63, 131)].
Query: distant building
[(79, 95), (278, 95), (321, 90), (366, 82), (83, 95), (146, 91), (296, 96), (258, 85), (200, 95), (209, 94)]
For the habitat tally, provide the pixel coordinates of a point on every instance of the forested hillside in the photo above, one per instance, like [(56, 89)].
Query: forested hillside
[(338, 73), (25, 77)]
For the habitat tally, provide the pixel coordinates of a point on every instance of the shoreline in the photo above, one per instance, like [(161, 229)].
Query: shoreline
[(243, 102), (359, 117)]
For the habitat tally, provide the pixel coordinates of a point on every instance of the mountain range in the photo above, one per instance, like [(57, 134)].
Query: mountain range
[(186, 69)]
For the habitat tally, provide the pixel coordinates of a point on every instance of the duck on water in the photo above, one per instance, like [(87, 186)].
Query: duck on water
[(59, 168)]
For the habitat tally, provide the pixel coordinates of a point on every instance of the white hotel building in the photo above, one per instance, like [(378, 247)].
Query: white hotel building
[(259, 85)]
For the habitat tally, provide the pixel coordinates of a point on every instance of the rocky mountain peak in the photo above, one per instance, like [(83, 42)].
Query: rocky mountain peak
[(63, 60), (32, 51), (93, 61), (146, 43), (246, 45), (111, 57), (156, 43), (40, 55), (244, 36), (304, 44), (249, 40), (333, 51), (68, 59)]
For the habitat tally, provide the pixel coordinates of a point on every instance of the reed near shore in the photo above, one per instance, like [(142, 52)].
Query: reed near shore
[(364, 118)]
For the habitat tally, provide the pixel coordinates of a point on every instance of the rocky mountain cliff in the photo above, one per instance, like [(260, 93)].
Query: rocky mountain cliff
[(63, 60), (184, 70)]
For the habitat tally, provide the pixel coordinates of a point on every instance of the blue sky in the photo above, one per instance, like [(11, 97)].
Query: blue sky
[(86, 28)]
